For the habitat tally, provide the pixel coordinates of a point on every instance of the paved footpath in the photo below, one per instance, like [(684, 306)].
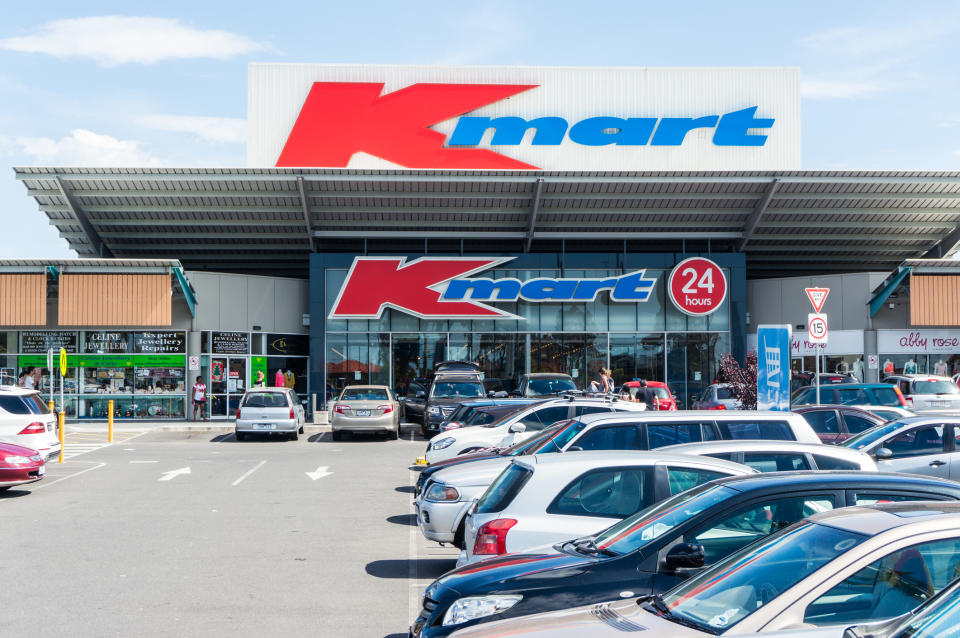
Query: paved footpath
[(196, 534)]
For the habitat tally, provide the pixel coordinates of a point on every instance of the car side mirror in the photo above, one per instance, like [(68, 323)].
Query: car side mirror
[(515, 393), (574, 448), (518, 428), (421, 394), (491, 394), (689, 555), (883, 454)]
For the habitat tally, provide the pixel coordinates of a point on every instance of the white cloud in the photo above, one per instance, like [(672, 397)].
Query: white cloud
[(907, 39), (113, 40), (957, 152), (826, 89), (82, 148), (208, 129), (950, 122)]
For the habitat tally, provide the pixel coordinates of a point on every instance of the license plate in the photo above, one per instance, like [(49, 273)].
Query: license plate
[(265, 426), (940, 404), (421, 460), (42, 470), (363, 412)]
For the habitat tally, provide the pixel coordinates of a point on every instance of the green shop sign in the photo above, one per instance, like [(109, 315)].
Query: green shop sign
[(109, 360)]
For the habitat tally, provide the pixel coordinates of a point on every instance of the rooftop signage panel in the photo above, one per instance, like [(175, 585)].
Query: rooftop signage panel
[(523, 118)]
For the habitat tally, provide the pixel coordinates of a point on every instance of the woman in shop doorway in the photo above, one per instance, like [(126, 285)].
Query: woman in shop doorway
[(261, 380), (199, 394)]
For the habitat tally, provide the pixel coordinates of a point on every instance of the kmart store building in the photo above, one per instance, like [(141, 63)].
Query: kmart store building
[(393, 217)]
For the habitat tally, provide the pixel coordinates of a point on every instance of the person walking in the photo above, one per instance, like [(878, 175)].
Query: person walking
[(647, 395), (199, 395)]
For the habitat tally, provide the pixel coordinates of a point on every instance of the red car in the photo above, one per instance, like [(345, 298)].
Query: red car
[(19, 465), (667, 402)]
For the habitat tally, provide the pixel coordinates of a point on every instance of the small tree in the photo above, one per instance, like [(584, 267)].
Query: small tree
[(742, 379)]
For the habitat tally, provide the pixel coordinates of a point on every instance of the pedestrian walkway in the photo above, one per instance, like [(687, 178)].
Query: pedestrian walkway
[(79, 443)]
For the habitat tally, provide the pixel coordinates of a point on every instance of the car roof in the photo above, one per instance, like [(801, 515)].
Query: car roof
[(366, 387), (847, 386), (671, 415), (14, 389), (540, 375), (836, 479), (754, 445), (835, 406), (456, 375), (926, 417), (938, 377), (875, 519), (607, 458)]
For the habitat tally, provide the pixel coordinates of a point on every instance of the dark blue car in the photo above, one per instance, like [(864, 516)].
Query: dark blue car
[(657, 548)]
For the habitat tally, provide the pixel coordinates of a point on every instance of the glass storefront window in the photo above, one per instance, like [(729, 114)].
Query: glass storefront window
[(107, 381), (160, 381)]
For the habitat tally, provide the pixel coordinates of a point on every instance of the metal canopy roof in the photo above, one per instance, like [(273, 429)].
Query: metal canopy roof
[(254, 220)]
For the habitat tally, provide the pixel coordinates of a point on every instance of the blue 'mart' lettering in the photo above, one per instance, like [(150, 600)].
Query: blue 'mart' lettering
[(633, 286)]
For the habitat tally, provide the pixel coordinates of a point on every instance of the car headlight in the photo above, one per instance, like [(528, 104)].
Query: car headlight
[(440, 492), (443, 443), (473, 607), (435, 411), (17, 459)]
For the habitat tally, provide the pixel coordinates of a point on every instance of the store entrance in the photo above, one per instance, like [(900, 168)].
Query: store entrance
[(227, 384)]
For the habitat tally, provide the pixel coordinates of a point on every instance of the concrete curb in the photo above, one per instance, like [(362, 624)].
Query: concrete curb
[(101, 428)]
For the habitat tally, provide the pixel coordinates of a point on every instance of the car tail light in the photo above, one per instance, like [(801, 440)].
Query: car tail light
[(340, 409), (719, 407), (34, 428), (238, 413), (387, 409), (291, 414), (492, 537)]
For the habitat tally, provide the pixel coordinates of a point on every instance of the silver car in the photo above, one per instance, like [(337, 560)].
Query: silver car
[(270, 410), (365, 408), (917, 445), (549, 498), (927, 392), (845, 566), (780, 456)]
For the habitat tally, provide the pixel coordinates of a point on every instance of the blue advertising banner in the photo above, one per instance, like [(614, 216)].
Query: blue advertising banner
[(773, 368)]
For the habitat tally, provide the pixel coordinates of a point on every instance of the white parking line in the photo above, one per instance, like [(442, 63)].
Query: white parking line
[(248, 473), (89, 469)]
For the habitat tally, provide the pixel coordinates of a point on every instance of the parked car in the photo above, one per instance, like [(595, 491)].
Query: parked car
[(26, 420), (365, 408), (544, 384), (656, 549), (779, 456), (837, 423), (453, 382), (562, 496), (927, 392), (634, 431), (466, 412), (803, 378), (851, 394), (520, 425), (918, 444), (665, 397), (852, 565), (717, 396), (269, 411), (886, 412), (938, 617), (19, 465)]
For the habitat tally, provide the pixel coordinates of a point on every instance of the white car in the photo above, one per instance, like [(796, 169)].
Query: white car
[(846, 566), (916, 445), (520, 425), (927, 392), (549, 498), (26, 419), (270, 411), (780, 456)]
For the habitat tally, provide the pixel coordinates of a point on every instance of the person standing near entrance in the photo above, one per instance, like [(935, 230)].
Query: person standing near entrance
[(647, 395), (199, 395), (260, 381)]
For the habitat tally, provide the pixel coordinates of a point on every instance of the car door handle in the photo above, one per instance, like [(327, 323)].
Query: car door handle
[(937, 463)]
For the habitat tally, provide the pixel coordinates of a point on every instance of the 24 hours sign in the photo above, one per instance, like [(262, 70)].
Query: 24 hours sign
[(697, 286)]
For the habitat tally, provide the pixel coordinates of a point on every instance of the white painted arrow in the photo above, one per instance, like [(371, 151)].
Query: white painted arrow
[(320, 473), (174, 473)]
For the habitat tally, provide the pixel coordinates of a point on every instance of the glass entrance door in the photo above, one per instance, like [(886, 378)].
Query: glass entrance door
[(227, 383)]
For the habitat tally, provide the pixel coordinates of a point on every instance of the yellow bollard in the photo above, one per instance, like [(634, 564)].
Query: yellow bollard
[(110, 421), (51, 404), (60, 416)]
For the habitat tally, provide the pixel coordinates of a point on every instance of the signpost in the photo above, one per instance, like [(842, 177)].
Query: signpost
[(50, 372), (697, 286), (63, 408), (817, 324)]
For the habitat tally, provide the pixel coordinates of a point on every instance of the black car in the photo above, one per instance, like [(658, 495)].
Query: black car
[(544, 384), (452, 383), (659, 547)]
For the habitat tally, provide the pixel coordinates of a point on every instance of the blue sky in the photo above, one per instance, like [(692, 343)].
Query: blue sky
[(135, 84)]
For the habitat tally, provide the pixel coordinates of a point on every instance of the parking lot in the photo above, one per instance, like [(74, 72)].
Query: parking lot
[(193, 534)]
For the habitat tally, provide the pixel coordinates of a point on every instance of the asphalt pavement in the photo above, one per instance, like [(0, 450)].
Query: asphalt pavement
[(196, 534)]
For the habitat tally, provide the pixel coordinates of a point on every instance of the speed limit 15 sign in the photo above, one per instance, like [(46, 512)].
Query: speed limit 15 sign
[(817, 327), (697, 286)]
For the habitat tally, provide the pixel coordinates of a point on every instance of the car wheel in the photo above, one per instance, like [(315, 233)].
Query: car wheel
[(301, 428), (295, 435), (393, 435), (240, 436), (337, 436), (459, 534)]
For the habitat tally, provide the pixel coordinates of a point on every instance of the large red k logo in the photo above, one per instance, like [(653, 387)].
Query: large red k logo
[(375, 283), (339, 119)]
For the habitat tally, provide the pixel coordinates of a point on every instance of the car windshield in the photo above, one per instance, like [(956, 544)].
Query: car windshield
[(720, 597), (634, 532), (725, 393), (935, 387), (549, 386), (565, 433), (454, 389), (940, 618), (364, 394), (660, 392), (265, 400), (867, 437)]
